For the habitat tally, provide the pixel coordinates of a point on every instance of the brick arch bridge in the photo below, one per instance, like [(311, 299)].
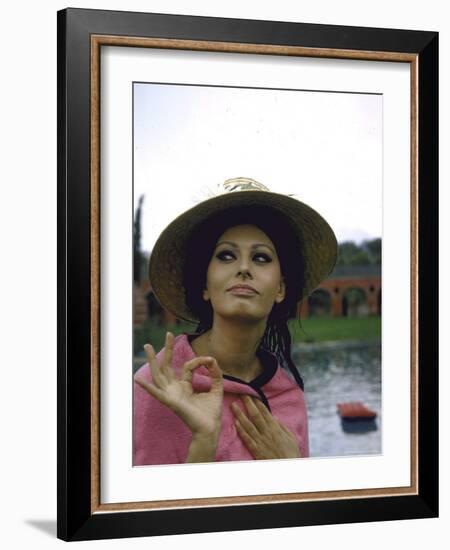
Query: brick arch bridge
[(367, 279)]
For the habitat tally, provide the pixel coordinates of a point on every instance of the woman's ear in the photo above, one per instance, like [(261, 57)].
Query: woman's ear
[(205, 294), (281, 294)]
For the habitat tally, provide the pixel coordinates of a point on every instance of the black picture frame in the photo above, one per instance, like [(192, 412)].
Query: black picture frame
[(79, 517)]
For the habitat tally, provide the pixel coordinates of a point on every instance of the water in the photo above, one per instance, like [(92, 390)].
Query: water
[(339, 374)]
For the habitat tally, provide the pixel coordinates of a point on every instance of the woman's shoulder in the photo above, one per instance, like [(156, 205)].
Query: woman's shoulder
[(282, 382), (182, 352), (183, 347)]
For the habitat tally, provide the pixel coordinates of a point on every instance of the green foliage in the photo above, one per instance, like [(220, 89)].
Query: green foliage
[(368, 253), (373, 248), (137, 254)]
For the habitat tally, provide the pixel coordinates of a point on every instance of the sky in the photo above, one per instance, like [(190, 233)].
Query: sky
[(325, 148)]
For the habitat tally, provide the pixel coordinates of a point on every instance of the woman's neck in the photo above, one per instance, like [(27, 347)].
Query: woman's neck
[(234, 347)]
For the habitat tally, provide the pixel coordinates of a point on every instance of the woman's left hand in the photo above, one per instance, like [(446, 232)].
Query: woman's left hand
[(263, 435)]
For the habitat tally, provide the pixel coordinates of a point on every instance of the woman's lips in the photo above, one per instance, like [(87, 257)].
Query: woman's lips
[(242, 290)]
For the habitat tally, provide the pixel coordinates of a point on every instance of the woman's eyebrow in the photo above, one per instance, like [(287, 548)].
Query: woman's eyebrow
[(255, 245)]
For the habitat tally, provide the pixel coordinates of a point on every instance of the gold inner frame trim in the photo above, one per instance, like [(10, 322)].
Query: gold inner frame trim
[(264, 49)]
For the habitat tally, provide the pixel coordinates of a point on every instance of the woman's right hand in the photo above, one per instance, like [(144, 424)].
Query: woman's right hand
[(201, 411)]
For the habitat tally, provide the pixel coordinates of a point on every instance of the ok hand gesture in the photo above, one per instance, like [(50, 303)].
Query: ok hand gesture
[(201, 412)]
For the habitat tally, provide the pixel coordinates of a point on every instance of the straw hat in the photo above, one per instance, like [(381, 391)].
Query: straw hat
[(317, 239)]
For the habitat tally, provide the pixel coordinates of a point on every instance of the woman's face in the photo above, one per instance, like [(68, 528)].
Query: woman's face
[(243, 279)]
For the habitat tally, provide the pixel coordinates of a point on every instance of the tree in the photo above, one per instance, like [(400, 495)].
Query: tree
[(137, 252), (373, 248), (368, 253), (349, 253)]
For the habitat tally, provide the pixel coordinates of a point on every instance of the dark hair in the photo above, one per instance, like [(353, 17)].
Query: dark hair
[(202, 241)]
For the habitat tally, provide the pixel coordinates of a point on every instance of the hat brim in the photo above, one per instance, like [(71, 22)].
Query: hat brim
[(317, 239)]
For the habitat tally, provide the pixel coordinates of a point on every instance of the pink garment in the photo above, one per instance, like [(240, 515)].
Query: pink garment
[(160, 437)]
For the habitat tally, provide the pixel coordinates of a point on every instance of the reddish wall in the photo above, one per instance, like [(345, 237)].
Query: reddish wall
[(336, 288)]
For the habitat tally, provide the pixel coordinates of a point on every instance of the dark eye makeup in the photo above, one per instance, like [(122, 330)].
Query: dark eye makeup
[(265, 257), (258, 257), (225, 255)]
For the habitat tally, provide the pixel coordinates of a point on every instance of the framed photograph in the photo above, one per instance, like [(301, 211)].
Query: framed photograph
[(167, 125)]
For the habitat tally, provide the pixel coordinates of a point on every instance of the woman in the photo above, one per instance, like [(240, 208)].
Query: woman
[(237, 264)]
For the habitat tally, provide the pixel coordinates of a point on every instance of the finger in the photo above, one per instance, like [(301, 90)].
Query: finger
[(245, 422), (157, 377), (215, 374), (152, 390), (285, 430), (265, 413), (166, 366), (190, 366), (254, 413), (248, 441), (292, 436)]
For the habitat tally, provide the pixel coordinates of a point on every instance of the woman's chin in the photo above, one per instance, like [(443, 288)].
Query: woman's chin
[(243, 315)]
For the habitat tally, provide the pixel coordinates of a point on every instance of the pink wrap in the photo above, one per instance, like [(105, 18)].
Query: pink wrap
[(160, 437)]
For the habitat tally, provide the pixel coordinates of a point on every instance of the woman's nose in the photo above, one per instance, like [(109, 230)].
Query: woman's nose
[(244, 268)]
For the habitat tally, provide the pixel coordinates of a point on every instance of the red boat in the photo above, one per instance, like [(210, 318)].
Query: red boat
[(355, 410)]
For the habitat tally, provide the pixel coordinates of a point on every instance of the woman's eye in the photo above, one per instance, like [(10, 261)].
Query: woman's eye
[(225, 255), (262, 258)]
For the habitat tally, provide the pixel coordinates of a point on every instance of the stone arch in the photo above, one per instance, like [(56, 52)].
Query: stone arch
[(319, 303), (354, 302)]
